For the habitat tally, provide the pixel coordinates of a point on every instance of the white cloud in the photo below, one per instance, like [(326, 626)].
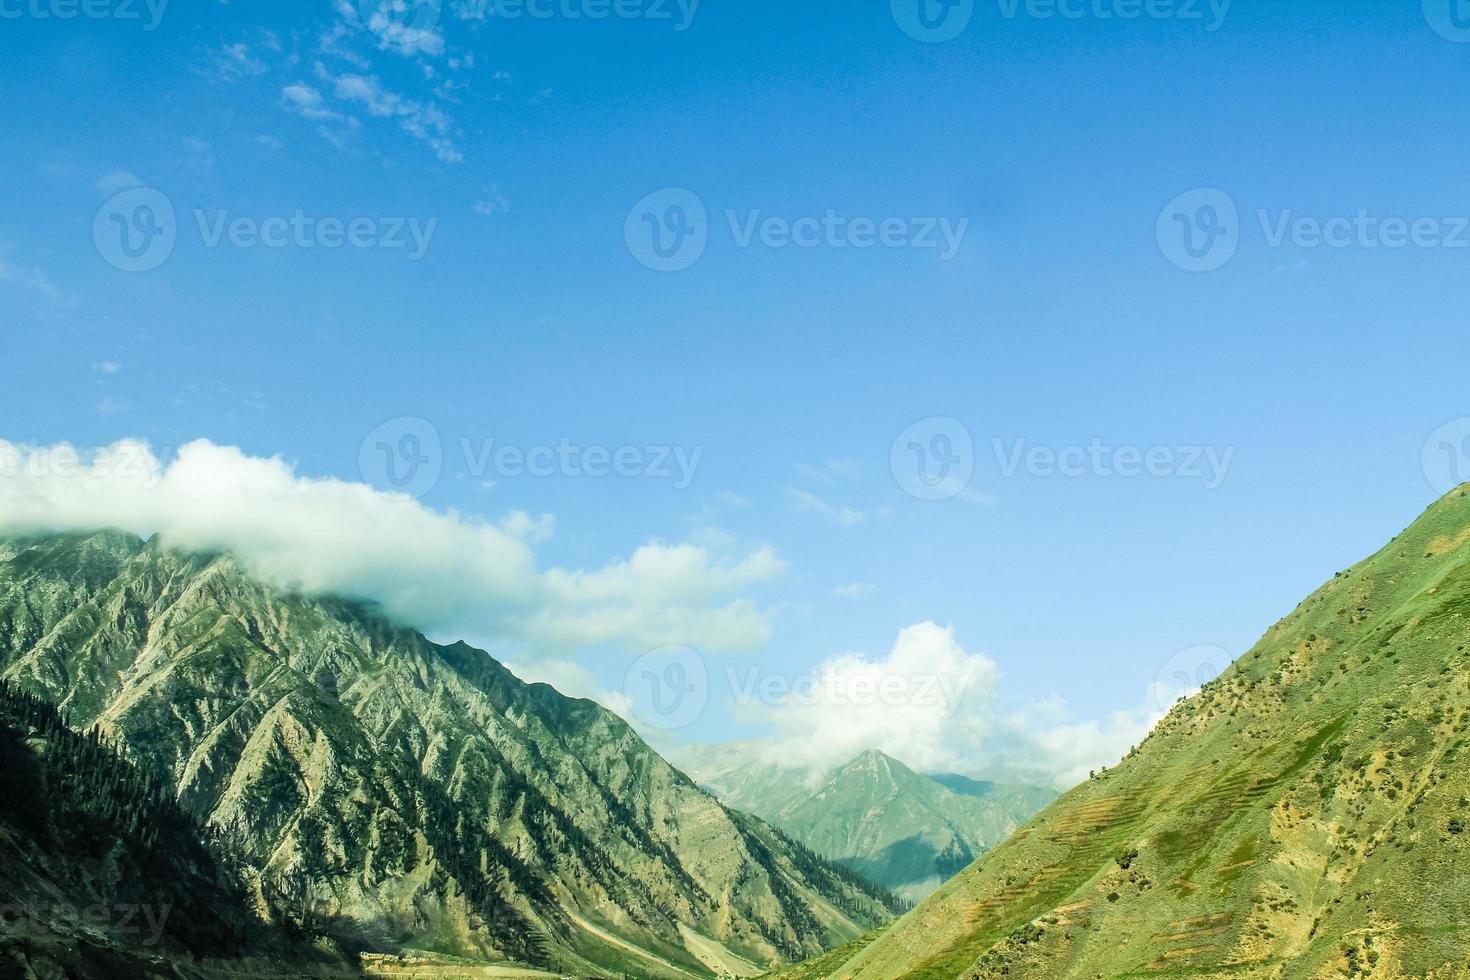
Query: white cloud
[(234, 61), (934, 706), (425, 122), (492, 203), (307, 102), (394, 24), (442, 572), (118, 180), (107, 367), (908, 704)]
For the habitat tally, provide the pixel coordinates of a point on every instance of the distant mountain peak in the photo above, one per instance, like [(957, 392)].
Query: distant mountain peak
[(873, 812), (1306, 814)]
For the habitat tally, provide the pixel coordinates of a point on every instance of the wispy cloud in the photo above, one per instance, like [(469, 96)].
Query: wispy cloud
[(425, 122), (28, 277), (492, 203), (231, 62), (306, 101), (806, 502), (117, 181), (854, 590)]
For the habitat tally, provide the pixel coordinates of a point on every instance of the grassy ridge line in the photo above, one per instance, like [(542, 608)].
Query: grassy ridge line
[(1306, 815)]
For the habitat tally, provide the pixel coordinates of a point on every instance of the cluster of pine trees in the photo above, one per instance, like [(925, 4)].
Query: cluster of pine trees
[(76, 799), (94, 781)]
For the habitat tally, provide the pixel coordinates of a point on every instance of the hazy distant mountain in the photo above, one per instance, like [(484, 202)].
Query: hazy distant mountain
[(874, 814), (1307, 815), (377, 785)]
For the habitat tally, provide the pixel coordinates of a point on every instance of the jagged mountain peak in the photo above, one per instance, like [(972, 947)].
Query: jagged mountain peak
[(390, 787)]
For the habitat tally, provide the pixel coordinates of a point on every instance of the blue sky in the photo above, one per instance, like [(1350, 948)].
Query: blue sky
[(1061, 150)]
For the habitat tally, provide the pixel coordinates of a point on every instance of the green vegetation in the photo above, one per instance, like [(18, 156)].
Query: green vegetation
[(1303, 816)]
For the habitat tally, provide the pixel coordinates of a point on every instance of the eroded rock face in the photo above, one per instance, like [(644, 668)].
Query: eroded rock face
[(380, 785)]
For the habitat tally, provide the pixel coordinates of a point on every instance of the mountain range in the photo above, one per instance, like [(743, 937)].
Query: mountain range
[(1306, 815), (396, 794), (906, 831)]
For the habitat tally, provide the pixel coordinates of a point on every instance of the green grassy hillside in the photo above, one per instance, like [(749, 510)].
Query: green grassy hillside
[(1306, 815)]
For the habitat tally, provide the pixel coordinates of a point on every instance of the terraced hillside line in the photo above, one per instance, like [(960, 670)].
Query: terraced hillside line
[(1305, 816)]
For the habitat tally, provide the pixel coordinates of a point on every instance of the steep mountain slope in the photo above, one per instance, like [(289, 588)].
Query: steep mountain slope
[(1306, 815), (874, 814), (381, 786), (104, 877), (1014, 798)]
